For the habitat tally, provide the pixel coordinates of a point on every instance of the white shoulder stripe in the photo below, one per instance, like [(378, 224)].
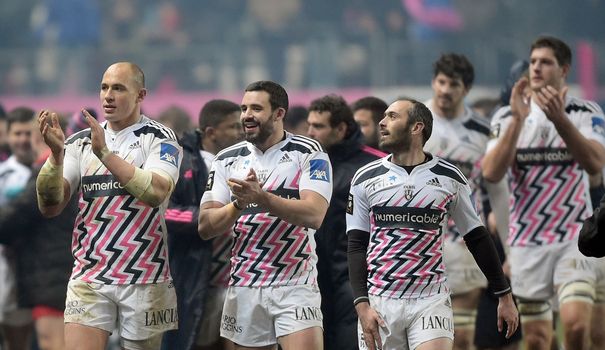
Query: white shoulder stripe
[(451, 166), (309, 142), (364, 169)]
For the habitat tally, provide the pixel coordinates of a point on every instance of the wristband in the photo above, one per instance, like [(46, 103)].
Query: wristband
[(360, 300), (104, 153)]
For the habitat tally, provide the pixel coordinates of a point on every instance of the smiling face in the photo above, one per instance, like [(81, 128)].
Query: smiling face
[(121, 95), (262, 126)]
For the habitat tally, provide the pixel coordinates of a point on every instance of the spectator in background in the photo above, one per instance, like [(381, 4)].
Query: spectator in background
[(367, 112), (296, 120), (15, 322), (176, 119), (77, 121), (331, 123), (4, 149), (43, 258), (200, 269)]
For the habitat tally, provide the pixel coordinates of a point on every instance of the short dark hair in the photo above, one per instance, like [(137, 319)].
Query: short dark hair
[(278, 97), (20, 115), (215, 111), (559, 48), (372, 104), (455, 66), (419, 112), (295, 116), (340, 112)]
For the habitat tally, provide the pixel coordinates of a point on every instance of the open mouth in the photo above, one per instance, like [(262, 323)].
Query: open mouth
[(109, 109)]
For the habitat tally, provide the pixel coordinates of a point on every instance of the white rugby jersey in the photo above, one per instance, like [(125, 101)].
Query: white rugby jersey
[(406, 216), (461, 141), (550, 194), (117, 238), (269, 251)]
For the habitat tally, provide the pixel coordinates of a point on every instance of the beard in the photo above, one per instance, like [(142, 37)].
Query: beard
[(265, 130), (400, 144)]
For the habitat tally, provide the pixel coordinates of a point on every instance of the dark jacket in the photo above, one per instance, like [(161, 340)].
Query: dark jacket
[(190, 256), (340, 319), (42, 247), (591, 241)]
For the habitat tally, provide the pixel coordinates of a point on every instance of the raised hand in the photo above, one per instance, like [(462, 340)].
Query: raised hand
[(248, 190), (519, 103), (97, 136), (53, 136), (552, 102)]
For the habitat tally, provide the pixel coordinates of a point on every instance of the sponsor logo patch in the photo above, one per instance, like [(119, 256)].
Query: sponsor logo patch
[(598, 125), (169, 153), (210, 181), (320, 170), (350, 204)]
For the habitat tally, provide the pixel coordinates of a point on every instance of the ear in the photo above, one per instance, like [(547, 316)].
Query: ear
[(341, 130), (565, 68), (209, 132), (281, 113), (141, 95), (417, 129)]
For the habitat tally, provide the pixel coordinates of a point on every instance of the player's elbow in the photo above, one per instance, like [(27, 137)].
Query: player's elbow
[(49, 212), (490, 175), (204, 232), (315, 221)]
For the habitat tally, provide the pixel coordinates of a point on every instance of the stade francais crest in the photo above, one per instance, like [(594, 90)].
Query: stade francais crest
[(408, 191)]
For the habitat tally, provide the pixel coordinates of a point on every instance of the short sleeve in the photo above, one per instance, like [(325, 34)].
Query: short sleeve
[(500, 122), (317, 175), (216, 189), (358, 209), (71, 165), (593, 125), (463, 210), (165, 155)]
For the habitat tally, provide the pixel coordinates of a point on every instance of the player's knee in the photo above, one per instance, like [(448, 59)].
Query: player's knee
[(536, 340), (152, 343), (534, 310), (577, 291), (463, 339)]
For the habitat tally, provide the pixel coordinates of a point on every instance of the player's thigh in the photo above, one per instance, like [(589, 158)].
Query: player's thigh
[(532, 272), (50, 332), (295, 308), (306, 339), (436, 344), (246, 321), (431, 319), (146, 311), (82, 337)]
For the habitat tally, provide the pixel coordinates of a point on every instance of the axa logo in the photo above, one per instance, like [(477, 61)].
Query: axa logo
[(320, 170), (169, 153)]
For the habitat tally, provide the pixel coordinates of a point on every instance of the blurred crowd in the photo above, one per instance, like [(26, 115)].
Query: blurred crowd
[(55, 46)]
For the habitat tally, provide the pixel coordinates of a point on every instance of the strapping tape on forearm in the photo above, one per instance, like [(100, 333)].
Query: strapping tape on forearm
[(49, 184), (140, 187)]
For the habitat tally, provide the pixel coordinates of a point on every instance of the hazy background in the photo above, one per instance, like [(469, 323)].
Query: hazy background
[(54, 52)]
